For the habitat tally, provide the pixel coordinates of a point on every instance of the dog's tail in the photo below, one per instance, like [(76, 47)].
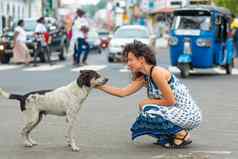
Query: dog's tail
[(18, 97)]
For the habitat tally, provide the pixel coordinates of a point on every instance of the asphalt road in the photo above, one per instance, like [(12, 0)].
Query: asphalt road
[(104, 122)]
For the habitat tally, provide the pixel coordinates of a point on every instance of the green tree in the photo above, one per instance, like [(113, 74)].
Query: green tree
[(230, 4), (101, 4), (92, 9), (89, 9)]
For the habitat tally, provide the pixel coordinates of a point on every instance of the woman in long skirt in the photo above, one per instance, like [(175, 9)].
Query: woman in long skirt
[(21, 53)]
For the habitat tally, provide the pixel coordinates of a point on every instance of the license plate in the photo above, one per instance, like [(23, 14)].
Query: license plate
[(8, 51)]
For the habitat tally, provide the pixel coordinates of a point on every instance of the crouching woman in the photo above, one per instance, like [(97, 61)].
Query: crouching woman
[(168, 113)]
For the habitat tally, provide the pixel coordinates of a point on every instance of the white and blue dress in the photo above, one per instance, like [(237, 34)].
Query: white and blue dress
[(162, 122)]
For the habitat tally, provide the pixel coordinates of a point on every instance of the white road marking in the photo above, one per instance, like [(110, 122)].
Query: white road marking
[(159, 156), (125, 69), (214, 152), (89, 67), (9, 67), (235, 71), (189, 155), (173, 69), (44, 67), (54, 58), (216, 70)]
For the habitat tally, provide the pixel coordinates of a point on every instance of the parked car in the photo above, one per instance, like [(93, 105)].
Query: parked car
[(123, 35)]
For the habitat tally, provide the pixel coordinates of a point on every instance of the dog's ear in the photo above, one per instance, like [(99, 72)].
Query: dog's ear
[(84, 79), (82, 71)]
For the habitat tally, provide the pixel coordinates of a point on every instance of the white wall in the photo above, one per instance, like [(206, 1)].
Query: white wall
[(36, 8), (19, 9), (14, 8)]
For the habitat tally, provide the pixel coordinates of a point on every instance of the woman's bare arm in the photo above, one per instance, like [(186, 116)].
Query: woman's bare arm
[(122, 92)]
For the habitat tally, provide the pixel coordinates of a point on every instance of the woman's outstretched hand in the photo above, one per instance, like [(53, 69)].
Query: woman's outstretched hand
[(99, 87)]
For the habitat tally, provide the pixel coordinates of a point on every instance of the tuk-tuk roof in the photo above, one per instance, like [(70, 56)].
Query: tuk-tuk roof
[(209, 8)]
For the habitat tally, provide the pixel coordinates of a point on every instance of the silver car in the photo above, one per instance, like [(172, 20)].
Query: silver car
[(124, 35)]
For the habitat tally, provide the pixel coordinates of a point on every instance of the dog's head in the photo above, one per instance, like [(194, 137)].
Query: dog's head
[(90, 78)]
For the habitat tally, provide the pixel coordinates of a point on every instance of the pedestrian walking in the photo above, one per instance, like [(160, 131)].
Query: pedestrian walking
[(80, 30), (21, 53), (168, 113)]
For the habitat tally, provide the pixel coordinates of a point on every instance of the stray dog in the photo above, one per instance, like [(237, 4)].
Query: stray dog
[(63, 101)]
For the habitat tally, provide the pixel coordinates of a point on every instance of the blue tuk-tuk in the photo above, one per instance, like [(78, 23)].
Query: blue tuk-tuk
[(200, 38)]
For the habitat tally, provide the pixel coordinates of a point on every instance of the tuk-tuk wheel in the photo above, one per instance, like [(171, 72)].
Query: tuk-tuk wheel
[(184, 69), (228, 68), (5, 59)]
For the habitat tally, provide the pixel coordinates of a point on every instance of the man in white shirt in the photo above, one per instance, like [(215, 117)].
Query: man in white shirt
[(40, 27), (42, 47)]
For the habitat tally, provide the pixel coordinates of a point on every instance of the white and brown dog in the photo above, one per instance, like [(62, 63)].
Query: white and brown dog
[(63, 101)]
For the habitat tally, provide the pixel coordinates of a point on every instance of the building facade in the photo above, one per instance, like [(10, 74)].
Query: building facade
[(13, 10)]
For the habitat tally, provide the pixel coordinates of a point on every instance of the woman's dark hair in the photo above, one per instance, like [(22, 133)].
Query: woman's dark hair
[(139, 49), (20, 22)]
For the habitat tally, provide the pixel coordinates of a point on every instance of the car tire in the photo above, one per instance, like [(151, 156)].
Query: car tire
[(5, 59), (110, 59)]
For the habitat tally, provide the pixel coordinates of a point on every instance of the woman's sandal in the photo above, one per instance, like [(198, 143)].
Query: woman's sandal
[(172, 145), (183, 143)]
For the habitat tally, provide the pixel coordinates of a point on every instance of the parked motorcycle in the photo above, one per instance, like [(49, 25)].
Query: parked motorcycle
[(104, 43), (104, 39)]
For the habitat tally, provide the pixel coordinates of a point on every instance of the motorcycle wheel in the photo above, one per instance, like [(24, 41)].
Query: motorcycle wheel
[(42, 57), (61, 55)]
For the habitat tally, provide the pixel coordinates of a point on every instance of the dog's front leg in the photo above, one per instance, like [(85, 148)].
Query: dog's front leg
[(72, 118)]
